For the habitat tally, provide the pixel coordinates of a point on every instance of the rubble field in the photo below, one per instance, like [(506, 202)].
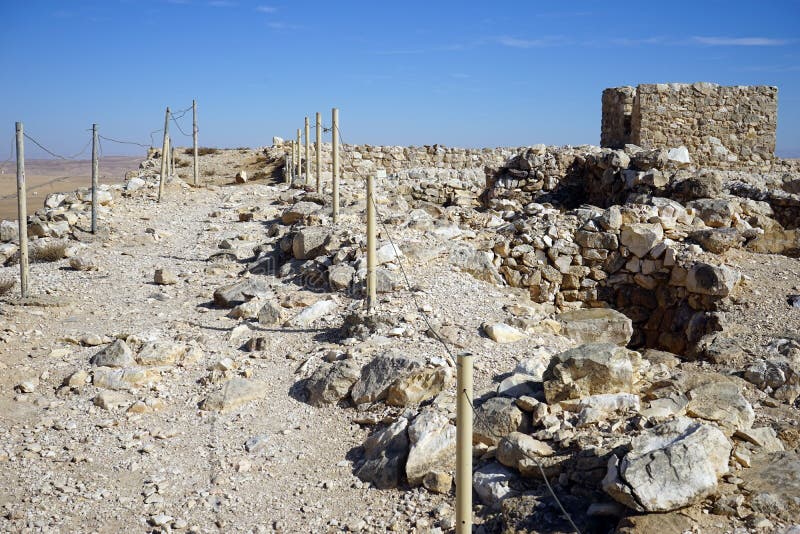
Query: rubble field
[(207, 363)]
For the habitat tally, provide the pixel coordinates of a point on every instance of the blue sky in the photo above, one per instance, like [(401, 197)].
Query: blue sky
[(455, 73)]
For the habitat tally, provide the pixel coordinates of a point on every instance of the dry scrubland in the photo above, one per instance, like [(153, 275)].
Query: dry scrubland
[(205, 364)]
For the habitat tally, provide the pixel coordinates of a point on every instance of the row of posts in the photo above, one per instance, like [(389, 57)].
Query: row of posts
[(168, 152), (464, 365), (167, 166), (464, 381)]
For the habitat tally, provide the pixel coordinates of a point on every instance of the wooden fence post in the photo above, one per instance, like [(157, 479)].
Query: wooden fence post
[(335, 158), (94, 178), (464, 444), (318, 155), (22, 212), (194, 142), (372, 290), (164, 148), (308, 156)]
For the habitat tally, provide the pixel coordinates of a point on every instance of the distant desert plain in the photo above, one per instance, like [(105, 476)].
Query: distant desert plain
[(43, 177)]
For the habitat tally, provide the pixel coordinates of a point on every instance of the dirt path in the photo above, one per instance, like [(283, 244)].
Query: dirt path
[(71, 466)]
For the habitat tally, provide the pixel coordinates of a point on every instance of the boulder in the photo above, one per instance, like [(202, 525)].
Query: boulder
[(704, 184), (600, 240), (535, 364), (124, 378), (718, 240), (495, 419), (640, 238), (241, 177), (331, 382), (340, 276), (433, 446), (117, 354), (9, 231), (502, 333), (379, 374), (164, 277), (300, 211), (82, 263), (418, 386), (669, 466), (312, 313), (591, 369), (234, 393), (525, 454), (596, 325), (722, 403), (679, 156), (270, 314), (711, 280), (715, 212), (492, 482), (160, 353), (310, 242), (385, 454), (476, 263), (239, 292)]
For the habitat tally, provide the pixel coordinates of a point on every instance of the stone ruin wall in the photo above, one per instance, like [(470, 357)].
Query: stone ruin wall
[(724, 127)]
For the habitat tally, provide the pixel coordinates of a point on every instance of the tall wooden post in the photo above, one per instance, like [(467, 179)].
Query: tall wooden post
[(164, 148), (372, 289), (308, 156), (22, 212), (94, 178), (335, 157), (318, 150), (299, 157), (169, 156), (194, 143), (464, 444)]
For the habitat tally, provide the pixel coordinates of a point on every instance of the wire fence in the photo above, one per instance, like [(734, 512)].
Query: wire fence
[(451, 356)]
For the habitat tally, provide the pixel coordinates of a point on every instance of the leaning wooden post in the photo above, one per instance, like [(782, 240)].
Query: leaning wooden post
[(464, 444), (372, 290), (308, 156), (318, 154), (299, 170), (94, 178), (194, 142), (164, 148), (22, 213), (335, 157)]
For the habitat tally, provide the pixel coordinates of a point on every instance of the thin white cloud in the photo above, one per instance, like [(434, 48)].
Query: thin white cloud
[(624, 41), (284, 26), (222, 3), (514, 42), (266, 9), (741, 41)]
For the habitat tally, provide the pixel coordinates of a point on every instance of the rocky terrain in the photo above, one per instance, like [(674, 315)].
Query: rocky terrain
[(206, 363)]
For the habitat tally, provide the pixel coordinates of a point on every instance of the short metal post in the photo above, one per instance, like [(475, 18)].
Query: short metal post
[(335, 158), (94, 178), (308, 156), (464, 444), (194, 142), (22, 213), (164, 148), (318, 154), (372, 290)]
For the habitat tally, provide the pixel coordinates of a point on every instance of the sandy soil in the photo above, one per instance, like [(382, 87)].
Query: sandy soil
[(43, 177)]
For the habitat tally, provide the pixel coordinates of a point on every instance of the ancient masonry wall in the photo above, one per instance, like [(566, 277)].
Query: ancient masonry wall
[(721, 126), (617, 112)]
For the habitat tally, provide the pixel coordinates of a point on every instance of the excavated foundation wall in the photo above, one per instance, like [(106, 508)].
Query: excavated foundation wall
[(635, 255)]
